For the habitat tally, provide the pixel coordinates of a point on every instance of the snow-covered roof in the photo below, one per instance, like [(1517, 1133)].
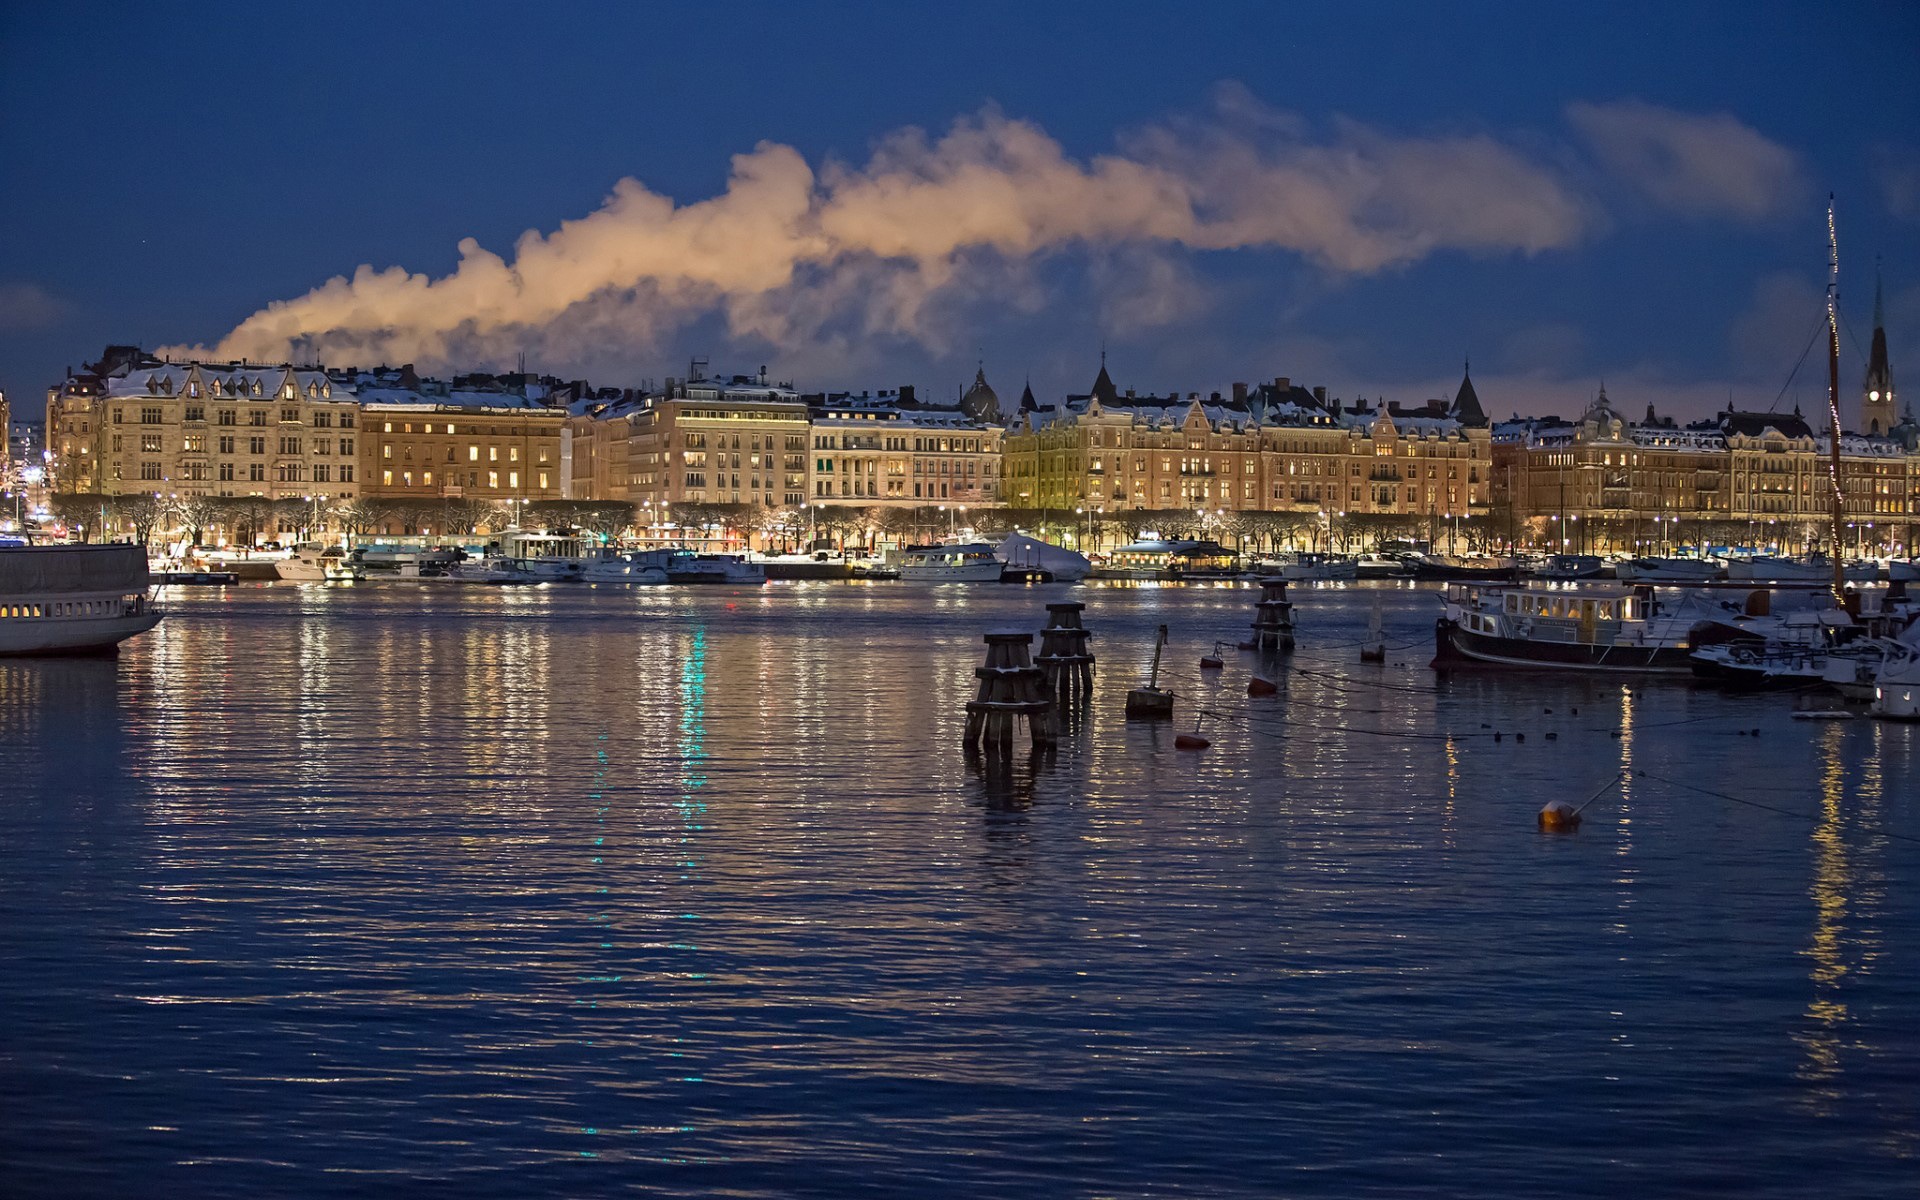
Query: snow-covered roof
[(222, 381)]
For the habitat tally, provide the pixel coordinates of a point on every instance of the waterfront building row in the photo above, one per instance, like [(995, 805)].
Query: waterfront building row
[(134, 424), (1738, 478)]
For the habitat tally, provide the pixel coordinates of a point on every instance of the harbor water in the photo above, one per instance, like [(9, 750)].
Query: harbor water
[(565, 891)]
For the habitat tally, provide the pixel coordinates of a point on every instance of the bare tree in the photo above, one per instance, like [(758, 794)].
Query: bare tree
[(80, 512), (144, 511), (608, 518), (199, 513), (253, 519), (357, 518), (293, 514), (466, 515), (1133, 522)]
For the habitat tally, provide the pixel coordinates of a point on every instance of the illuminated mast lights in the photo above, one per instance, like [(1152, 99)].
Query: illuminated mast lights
[(1833, 396)]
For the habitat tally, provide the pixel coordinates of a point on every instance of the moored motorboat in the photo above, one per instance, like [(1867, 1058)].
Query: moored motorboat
[(969, 563), (318, 564), (1567, 567), (1816, 569), (713, 569), (1485, 568), (72, 599), (494, 569), (1306, 567), (611, 566), (1380, 566), (1669, 572)]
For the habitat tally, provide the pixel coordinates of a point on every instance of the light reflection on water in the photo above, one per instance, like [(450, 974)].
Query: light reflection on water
[(551, 892)]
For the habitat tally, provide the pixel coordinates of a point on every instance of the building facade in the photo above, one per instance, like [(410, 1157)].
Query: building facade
[(209, 429), (710, 441), (1761, 480), (889, 451), (1274, 447), (594, 445), (462, 445)]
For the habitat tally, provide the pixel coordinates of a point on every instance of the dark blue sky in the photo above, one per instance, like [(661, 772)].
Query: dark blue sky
[(170, 170)]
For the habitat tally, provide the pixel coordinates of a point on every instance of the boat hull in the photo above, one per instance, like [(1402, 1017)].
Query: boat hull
[(987, 572), (1668, 573), (34, 636), (1458, 648)]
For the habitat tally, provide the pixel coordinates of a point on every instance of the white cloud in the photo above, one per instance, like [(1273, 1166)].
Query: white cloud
[(1701, 164), (899, 247)]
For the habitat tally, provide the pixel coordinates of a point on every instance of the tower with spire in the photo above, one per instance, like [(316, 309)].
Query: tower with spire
[(1877, 406), (1103, 389), (1466, 402)]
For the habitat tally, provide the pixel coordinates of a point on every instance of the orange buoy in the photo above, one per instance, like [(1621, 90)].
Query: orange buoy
[(1190, 741), (1559, 817), (1261, 686)]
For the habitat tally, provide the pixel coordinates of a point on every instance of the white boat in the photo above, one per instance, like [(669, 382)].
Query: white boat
[(1814, 568), (1024, 553), (555, 557), (1903, 570), (494, 569), (1896, 693), (714, 568), (1567, 567), (1669, 572), (318, 564), (380, 561), (613, 567), (1379, 566), (72, 599), (1317, 568), (972, 563), (1487, 568)]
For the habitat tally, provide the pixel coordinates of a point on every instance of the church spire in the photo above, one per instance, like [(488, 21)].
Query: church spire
[(1877, 406)]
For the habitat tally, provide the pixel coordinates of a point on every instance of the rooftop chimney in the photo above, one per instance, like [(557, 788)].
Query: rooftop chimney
[(1239, 393), (1283, 385), (1320, 395)]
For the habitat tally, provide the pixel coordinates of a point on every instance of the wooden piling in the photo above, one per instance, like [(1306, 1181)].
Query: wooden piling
[(1065, 660), (1011, 688), (1273, 616)]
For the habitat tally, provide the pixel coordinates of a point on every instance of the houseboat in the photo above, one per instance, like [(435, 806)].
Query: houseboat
[(1605, 629)]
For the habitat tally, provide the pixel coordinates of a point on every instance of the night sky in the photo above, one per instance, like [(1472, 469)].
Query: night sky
[(864, 196)]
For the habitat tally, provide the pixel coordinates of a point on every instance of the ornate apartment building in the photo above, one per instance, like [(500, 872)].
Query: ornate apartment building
[(1273, 447), (888, 450), (709, 441), (1757, 478), (137, 424)]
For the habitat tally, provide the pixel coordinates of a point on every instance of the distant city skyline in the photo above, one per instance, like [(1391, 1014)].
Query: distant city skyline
[(868, 197)]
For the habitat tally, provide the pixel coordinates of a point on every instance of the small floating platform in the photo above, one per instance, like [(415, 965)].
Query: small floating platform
[(195, 578)]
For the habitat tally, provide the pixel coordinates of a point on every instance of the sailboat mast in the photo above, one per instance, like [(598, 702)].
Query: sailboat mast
[(1833, 397)]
